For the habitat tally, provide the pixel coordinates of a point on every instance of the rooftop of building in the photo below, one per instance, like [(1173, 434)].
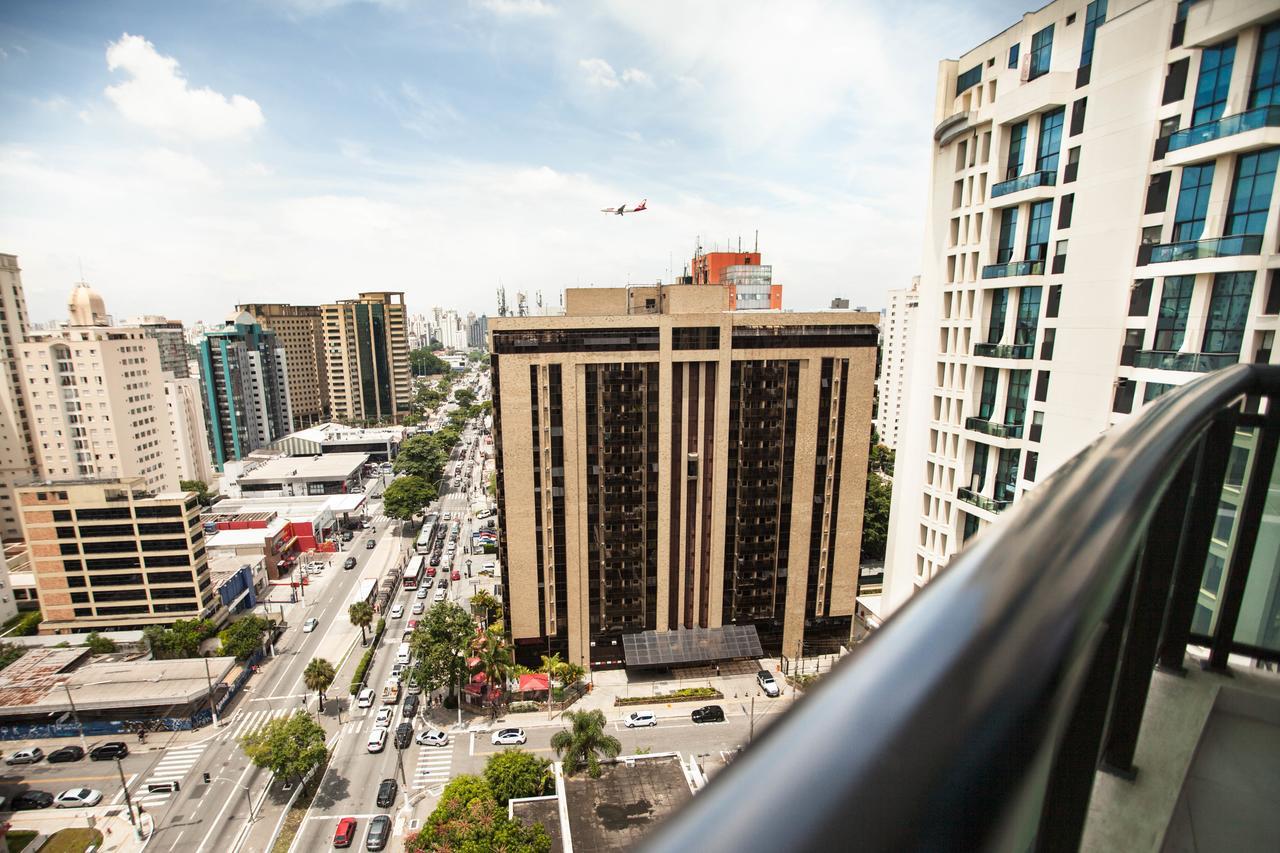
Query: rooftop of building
[(241, 536), (329, 466), (223, 566), (38, 687), (135, 486), (294, 508), (327, 432), (615, 811)]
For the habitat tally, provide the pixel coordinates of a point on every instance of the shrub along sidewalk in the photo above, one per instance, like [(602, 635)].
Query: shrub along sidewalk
[(687, 694)]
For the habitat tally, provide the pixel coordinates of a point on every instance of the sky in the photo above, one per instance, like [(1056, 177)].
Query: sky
[(184, 157)]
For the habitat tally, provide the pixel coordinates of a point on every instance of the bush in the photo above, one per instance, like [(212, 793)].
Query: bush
[(450, 702), (524, 707), (357, 681), (687, 694), (99, 644), (27, 624)]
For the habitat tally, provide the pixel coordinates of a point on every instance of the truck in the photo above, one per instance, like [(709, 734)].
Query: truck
[(391, 692)]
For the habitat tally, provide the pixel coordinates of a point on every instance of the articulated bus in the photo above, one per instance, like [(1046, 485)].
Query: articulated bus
[(413, 571), (427, 538)]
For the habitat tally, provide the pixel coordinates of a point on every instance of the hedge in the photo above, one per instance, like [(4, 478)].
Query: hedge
[(523, 707), (25, 624), (357, 680), (687, 694)]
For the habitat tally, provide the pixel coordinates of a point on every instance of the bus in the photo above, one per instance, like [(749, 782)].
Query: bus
[(427, 538), (413, 571), (364, 592)]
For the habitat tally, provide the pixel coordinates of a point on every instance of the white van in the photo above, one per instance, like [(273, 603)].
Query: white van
[(403, 654)]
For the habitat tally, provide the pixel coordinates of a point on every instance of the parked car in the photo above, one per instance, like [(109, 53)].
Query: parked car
[(489, 569), (32, 800), (410, 706), (349, 563), (387, 792), (708, 714), (768, 683), (108, 751), (366, 697), (370, 544), (310, 625), (636, 719), (508, 737), (432, 737), (76, 797), (404, 735), (379, 832), (67, 753), (413, 687), (348, 535), (377, 739), (29, 755), (397, 610), (345, 832)]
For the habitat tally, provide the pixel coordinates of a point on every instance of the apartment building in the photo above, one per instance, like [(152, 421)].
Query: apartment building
[(748, 285), (16, 451), (895, 344), (299, 329), (112, 555), (244, 377), (187, 428), (664, 464), (95, 399), (366, 347), (1102, 227), (172, 340)]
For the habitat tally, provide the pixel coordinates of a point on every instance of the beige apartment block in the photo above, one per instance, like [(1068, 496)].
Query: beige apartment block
[(188, 429), (96, 400), (366, 349), (113, 555), (16, 462), (895, 343), (664, 464), (299, 329)]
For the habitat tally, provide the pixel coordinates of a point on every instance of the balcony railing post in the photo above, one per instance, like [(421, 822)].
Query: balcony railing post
[(1255, 498), (1150, 600), (1193, 549)]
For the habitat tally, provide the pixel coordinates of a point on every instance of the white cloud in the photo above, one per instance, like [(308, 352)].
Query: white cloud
[(600, 75), (3, 55), (635, 75), (159, 97), (182, 169), (517, 8)]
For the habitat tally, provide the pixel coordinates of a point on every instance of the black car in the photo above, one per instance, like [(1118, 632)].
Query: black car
[(108, 751), (387, 793), (410, 707), (708, 714), (404, 735), (347, 536), (32, 800), (67, 753), (379, 832), (349, 563), (371, 544)]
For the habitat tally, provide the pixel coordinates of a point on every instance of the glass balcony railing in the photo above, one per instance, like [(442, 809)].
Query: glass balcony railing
[(1191, 362), (1042, 178), (982, 501), (992, 428), (1191, 250), (1268, 116), (1013, 268), (1004, 350)]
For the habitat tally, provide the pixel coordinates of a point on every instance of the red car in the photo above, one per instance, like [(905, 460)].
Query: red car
[(413, 623), (457, 576), (345, 833), (431, 571)]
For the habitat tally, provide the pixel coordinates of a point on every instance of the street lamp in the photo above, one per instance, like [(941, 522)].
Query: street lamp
[(244, 786)]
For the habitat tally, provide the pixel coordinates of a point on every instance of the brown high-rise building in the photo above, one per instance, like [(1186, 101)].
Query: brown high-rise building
[(664, 464), (366, 348), (299, 329)]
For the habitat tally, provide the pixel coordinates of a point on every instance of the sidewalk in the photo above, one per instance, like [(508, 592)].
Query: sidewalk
[(118, 834)]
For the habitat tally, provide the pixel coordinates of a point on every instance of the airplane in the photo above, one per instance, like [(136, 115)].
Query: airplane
[(623, 208)]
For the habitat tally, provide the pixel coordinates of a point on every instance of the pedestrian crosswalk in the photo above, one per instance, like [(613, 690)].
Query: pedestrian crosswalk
[(173, 767), (247, 722), (434, 765)]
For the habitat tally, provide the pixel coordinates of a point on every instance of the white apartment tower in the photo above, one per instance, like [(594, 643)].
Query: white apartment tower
[(187, 428), (16, 462), (897, 325), (1102, 227)]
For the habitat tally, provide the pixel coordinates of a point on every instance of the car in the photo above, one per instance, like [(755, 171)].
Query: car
[(348, 535), (424, 591), (410, 706), (489, 569), (76, 797), (636, 719), (768, 683), (67, 753), (508, 737), (432, 737), (32, 800), (443, 583), (412, 623), (414, 687), (29, 755), (109, 750), (397, 670), (431, 571), (383, 718), (397, 610), (708, 714), (349, 563), (377, 739), (418, 608), (370, 544), (379, 832), (366, 697), (439, 596), (404, 735), (345, 832), (387, 792), (310, 625), (457, 575)]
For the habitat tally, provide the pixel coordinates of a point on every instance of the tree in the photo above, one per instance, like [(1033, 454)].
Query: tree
[(581, 745), (291, 747), (515, 773), (10, 652), (423, 456), (552, 665), (572, 673), (875, 517), (182, 639), (201, 488), (423, 362), (99, 645), (406, 496), (440, 645), (243, 637), (318, 676), (469, 819), (361, 615), (484, 600), (464, 397), (496, 660)]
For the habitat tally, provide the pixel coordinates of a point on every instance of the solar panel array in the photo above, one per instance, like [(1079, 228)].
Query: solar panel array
[(691, 645)]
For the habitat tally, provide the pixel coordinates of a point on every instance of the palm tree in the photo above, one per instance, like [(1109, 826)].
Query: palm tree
[(361, 615), (551, 665), (496, 662), (318, 676), (581, 745)]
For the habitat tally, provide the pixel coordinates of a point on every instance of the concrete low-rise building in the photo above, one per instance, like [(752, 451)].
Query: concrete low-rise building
[(289, 476), (380, 443)]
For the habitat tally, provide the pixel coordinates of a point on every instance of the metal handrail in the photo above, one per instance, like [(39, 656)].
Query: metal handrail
[(954, 726)]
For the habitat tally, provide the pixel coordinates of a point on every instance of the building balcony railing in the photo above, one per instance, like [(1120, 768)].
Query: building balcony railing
[(1192, 250), (1013, 268), (992, 428), (1004, 350), (1043, 178), (1259, 117), (982, 501), (1191, 362)]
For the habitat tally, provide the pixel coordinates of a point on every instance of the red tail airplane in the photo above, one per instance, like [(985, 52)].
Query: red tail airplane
[(620, 210)]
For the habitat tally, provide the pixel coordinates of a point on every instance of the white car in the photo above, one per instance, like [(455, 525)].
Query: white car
[(439, 595), (418, 608), (489, 568), (383, 719), (310, 625), (432, 737), (636, 719), (76, 797), (397, 610), (424, 591), (377, 739), (508, 737), (366, 698)]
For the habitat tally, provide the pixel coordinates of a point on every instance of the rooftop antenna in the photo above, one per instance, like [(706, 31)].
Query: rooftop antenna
[(739, 244), (757, 248)]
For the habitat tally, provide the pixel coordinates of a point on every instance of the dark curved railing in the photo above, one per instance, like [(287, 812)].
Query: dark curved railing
[(978, 715)]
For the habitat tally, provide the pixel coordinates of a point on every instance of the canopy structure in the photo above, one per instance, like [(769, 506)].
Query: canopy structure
[(691, 646)]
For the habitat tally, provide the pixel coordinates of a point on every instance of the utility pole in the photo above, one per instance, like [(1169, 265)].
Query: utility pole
[(128, 801), (751, 731), (209, 678), (84, 744)]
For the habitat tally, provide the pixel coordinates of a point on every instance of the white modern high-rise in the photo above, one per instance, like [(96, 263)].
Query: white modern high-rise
[(896, 327), (187, 428), (1102, 227)]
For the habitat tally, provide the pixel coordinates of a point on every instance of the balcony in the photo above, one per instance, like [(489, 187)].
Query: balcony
[(992, 428), (1013, 268), (969, 496), (1256, 128), (1198, 250), (1015, 351), (1190, 362), (1043, 178), (953, 126)]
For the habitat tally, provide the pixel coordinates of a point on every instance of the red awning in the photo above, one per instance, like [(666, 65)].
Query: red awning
[(533, 681)]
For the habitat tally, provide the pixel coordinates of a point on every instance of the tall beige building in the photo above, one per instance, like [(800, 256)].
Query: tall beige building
[(663, 464), (299, 329), (366, 348), (16, 463), (96, 400), (187, 428), (899, 323)]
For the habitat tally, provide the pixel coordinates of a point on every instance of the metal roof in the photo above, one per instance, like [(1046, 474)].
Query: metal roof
[(691, 645)]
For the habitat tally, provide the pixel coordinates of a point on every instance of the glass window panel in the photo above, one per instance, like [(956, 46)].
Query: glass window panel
[(1008, 231), (1041, 52), (1028, 315), (987, 404), (1038, 231), (1016, 151), (1228, 312), (1015, 407), (1259, 620), (1265, 89), (1241, 463), (1251, 192), (999, 307), (1095, 14), (1193, 202), (1175, 302), (1214, 80), (1050, 141)]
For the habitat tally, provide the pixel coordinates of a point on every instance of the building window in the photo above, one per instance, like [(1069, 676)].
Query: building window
[(1077, 116), (987, 403), (999, 306), (978, 471), (1066, 206), (1228, 312), (1007, 474), (1013, 54), (1265, 89), (1055, 300), (1123, 400), (1041, 52), (1272, 305), (1157, 193), (1028, 315), (1251, 192), (1017, 148), (970, 521), (1095, 15), (1154, 390), (1037, 426), (1008, 231), (1175, 81), (1042, 386), (1193, 202), (1070, 173), (1046, 348), (1175, 302), (1015, 404), (1050, 141), (1214, 80), (966, 80), (1038, 232), (1140, 297)]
